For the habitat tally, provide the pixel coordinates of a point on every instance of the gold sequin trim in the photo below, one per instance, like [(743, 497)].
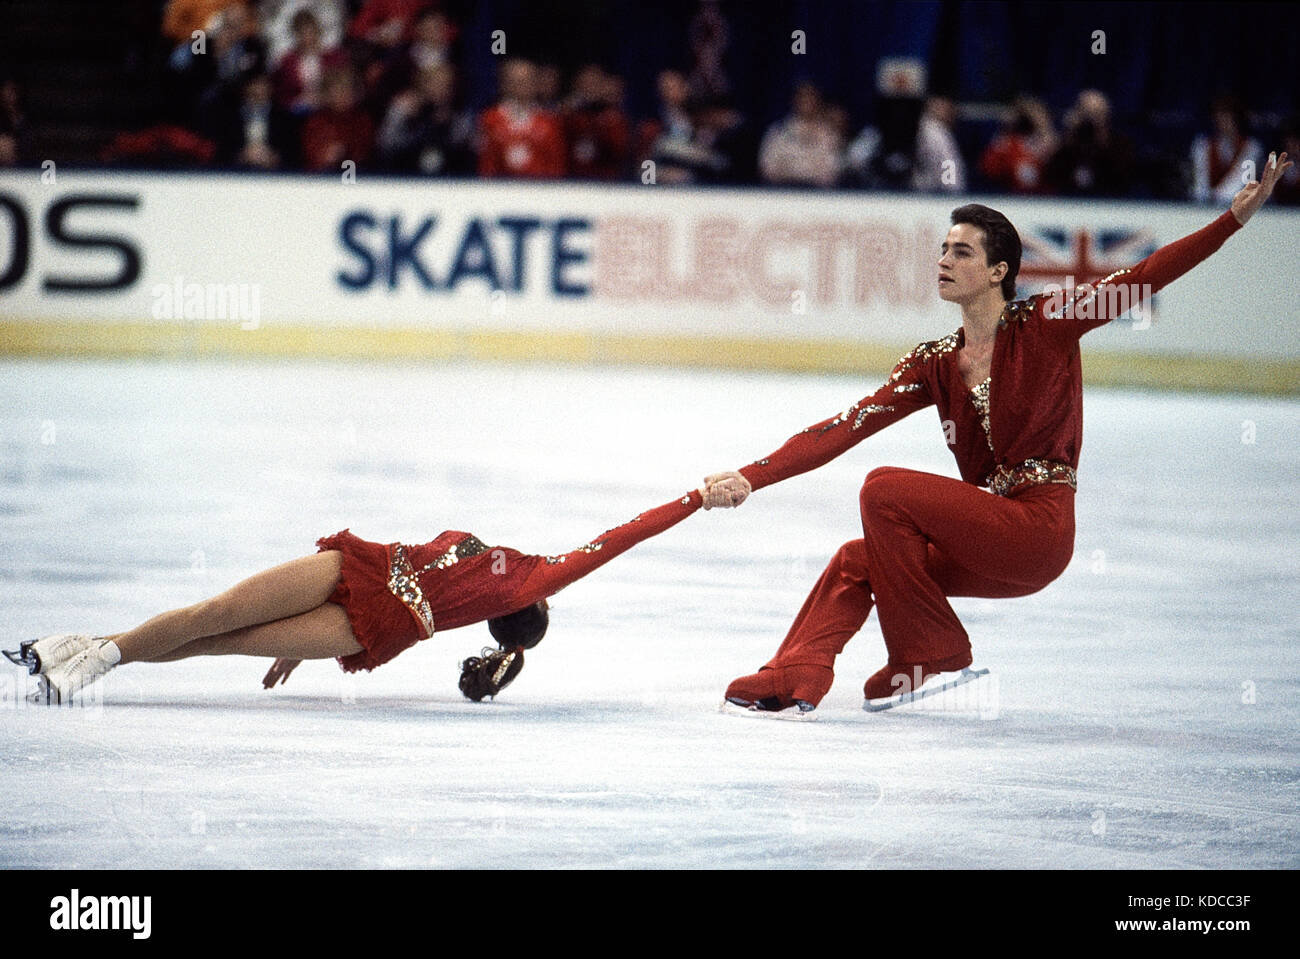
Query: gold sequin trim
[(404, 583), (862, 412), (1016, 311), (923, 351), (1077, 303), (595, 545), (1005, 479), (979, 397), (843, 417), (469, 546), (867, 411)]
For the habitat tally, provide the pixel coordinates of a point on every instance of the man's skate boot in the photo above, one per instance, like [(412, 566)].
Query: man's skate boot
[(774, 688), (42, 655), (65, 682), (897, 683)]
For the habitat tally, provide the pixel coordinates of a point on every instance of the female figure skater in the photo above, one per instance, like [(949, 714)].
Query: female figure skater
[(363, 603), (1008, 386)]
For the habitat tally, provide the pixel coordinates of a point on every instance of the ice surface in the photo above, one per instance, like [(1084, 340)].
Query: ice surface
[(1146, 708)]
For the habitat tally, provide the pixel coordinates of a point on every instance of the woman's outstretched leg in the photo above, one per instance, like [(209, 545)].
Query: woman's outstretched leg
[(288, 590), (321, 633)]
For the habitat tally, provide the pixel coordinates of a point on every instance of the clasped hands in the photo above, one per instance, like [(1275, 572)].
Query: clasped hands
[(725, 490)]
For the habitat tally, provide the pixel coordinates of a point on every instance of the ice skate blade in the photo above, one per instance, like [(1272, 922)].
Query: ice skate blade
[(44, 694), (936, 684), (793, 714), (16, 657)]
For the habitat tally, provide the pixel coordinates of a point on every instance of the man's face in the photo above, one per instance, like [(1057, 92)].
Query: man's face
[(963, 270)]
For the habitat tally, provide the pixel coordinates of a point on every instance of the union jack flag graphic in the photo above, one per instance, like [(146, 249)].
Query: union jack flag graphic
[(1064, 259)]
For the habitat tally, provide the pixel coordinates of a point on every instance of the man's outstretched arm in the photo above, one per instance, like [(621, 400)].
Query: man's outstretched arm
[(1100, 305), (903, 393)]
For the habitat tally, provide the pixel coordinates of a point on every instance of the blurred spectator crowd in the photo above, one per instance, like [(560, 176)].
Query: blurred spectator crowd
[(314, 85)]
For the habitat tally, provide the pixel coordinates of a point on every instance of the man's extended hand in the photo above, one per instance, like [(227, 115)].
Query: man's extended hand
[(725, 490), (279, 672), (1253, 194)]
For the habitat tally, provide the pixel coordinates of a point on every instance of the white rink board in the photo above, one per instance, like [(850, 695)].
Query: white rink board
[(622, 259)]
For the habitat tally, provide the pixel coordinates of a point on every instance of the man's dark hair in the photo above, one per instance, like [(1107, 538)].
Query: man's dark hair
[(1001, 241), (523, 628)]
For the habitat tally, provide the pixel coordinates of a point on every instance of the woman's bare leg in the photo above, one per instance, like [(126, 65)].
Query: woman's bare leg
[(285, 591), (321, 633)]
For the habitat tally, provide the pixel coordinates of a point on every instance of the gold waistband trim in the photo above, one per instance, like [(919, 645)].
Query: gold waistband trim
[(1005, 479)]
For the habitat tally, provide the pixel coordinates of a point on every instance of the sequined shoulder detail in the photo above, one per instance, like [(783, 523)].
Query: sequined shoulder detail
[(917, 354), (469, 546), (1017, 311), (979, 397), (922, 352)]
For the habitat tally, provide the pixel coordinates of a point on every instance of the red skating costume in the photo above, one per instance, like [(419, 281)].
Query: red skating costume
[(396, 595), (927, 537), (521, 142)]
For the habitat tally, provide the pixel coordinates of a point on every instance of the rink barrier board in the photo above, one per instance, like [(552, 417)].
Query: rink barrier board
[(1234, 374)]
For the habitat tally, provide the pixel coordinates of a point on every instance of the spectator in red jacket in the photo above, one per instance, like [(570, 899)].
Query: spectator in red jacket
[(595, 126), (516, 137), (339, 131), (298, 77), (1015, 159)]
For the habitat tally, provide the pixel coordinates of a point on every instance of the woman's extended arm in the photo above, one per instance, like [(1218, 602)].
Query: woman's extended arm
[(556, 572)]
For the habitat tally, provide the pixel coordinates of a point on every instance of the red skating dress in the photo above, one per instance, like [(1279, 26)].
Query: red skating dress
[(396, 595)]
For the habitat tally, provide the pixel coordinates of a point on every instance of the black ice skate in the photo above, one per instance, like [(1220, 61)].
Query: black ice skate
[(801, 711)]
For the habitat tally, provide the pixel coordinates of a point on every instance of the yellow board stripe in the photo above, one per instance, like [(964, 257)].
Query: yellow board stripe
[(1280, 377)]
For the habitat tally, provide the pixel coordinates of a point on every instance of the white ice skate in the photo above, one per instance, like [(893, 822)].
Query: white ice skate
[(932, 686), (65, 682), (42, 655)]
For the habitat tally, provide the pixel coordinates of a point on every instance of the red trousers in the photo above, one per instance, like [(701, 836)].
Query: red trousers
[(925, 538)]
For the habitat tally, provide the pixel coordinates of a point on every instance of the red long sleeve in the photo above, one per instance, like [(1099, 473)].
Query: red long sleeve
[(1097, 307), (553, 573), (905, 392)]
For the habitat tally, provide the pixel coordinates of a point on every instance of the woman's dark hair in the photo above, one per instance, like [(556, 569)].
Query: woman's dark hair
[(521, 629), (1001, 241)]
